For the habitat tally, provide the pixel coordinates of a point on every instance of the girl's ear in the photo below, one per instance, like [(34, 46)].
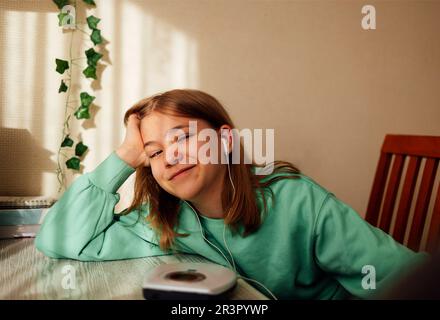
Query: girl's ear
[(225, 145), (226, 138)]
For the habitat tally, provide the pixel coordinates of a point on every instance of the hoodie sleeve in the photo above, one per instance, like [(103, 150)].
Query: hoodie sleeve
[(365, 260), (82, 224)]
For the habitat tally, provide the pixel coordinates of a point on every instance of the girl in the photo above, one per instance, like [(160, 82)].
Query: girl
[(282, 231)]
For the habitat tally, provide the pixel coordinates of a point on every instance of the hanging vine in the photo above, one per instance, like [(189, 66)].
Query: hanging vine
[(67, 21)]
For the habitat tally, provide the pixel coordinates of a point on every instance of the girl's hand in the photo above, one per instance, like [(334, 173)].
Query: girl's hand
[(132, 149)]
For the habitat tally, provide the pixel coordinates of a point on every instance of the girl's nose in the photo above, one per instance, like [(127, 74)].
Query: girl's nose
[(173, 158)]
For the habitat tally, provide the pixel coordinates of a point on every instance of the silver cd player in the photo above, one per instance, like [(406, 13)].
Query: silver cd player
[(203, 281)]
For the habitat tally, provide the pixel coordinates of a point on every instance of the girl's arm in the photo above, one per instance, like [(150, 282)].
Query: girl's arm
[(82, 225), (364, 259)]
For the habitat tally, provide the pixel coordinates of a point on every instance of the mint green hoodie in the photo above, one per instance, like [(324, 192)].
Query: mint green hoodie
[(310, 245)]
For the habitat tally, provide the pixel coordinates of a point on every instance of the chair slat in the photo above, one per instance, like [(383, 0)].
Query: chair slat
[(433, 243), (406, 198), (391, 193), (372, 215), (422, 203)]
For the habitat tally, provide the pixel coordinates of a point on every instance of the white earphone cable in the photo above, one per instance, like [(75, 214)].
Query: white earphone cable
[(224, 234), (203, 236), (232, 265)]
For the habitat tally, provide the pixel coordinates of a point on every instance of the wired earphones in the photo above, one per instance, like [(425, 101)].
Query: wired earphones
[(232, 265)]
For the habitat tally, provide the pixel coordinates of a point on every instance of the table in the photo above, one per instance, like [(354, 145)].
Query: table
[(26, 273)]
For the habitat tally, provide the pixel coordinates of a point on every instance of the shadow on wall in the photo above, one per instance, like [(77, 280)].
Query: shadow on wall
[(22, 163)]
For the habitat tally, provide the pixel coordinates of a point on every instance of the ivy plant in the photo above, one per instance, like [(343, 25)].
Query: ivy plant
[(67, 20)]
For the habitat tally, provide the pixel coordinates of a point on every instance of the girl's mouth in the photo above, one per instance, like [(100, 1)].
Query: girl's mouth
[(181, 173)]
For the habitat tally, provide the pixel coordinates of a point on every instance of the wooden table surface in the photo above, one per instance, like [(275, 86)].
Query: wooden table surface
[(25, 273)]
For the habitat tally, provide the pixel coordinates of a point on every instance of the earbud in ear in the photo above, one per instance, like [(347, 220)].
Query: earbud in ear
[(225, 145)]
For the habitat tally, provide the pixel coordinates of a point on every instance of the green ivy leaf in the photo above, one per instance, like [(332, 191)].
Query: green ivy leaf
[(91, 2), (82, 113), (96, 36), (67, 142), (61, 3), (73, 163), (93, 57), (90, 72), (93, 21), (63, 87), (86, 99), (80, 149), (62, 65), (61, 16)]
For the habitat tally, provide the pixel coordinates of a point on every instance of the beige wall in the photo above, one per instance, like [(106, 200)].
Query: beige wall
[(330, 89)]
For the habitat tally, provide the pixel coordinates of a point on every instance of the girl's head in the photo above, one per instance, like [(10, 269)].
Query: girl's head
[(170, 124), (166, 120)]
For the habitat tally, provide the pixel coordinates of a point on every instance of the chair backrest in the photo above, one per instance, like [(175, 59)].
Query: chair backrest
[(407, 151)]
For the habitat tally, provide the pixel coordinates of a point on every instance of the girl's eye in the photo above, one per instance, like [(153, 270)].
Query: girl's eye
[(182, 137), (155, 154)]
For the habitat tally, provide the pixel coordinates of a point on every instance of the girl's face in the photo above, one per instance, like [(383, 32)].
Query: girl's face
[(198, 179)]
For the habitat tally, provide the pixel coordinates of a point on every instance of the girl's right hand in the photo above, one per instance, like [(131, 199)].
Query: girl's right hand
[(132, 148)]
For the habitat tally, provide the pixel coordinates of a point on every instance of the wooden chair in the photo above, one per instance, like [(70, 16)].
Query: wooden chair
[(381, 205)]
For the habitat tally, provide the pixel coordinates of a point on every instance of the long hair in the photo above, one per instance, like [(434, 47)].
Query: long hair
[(240, 206)]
